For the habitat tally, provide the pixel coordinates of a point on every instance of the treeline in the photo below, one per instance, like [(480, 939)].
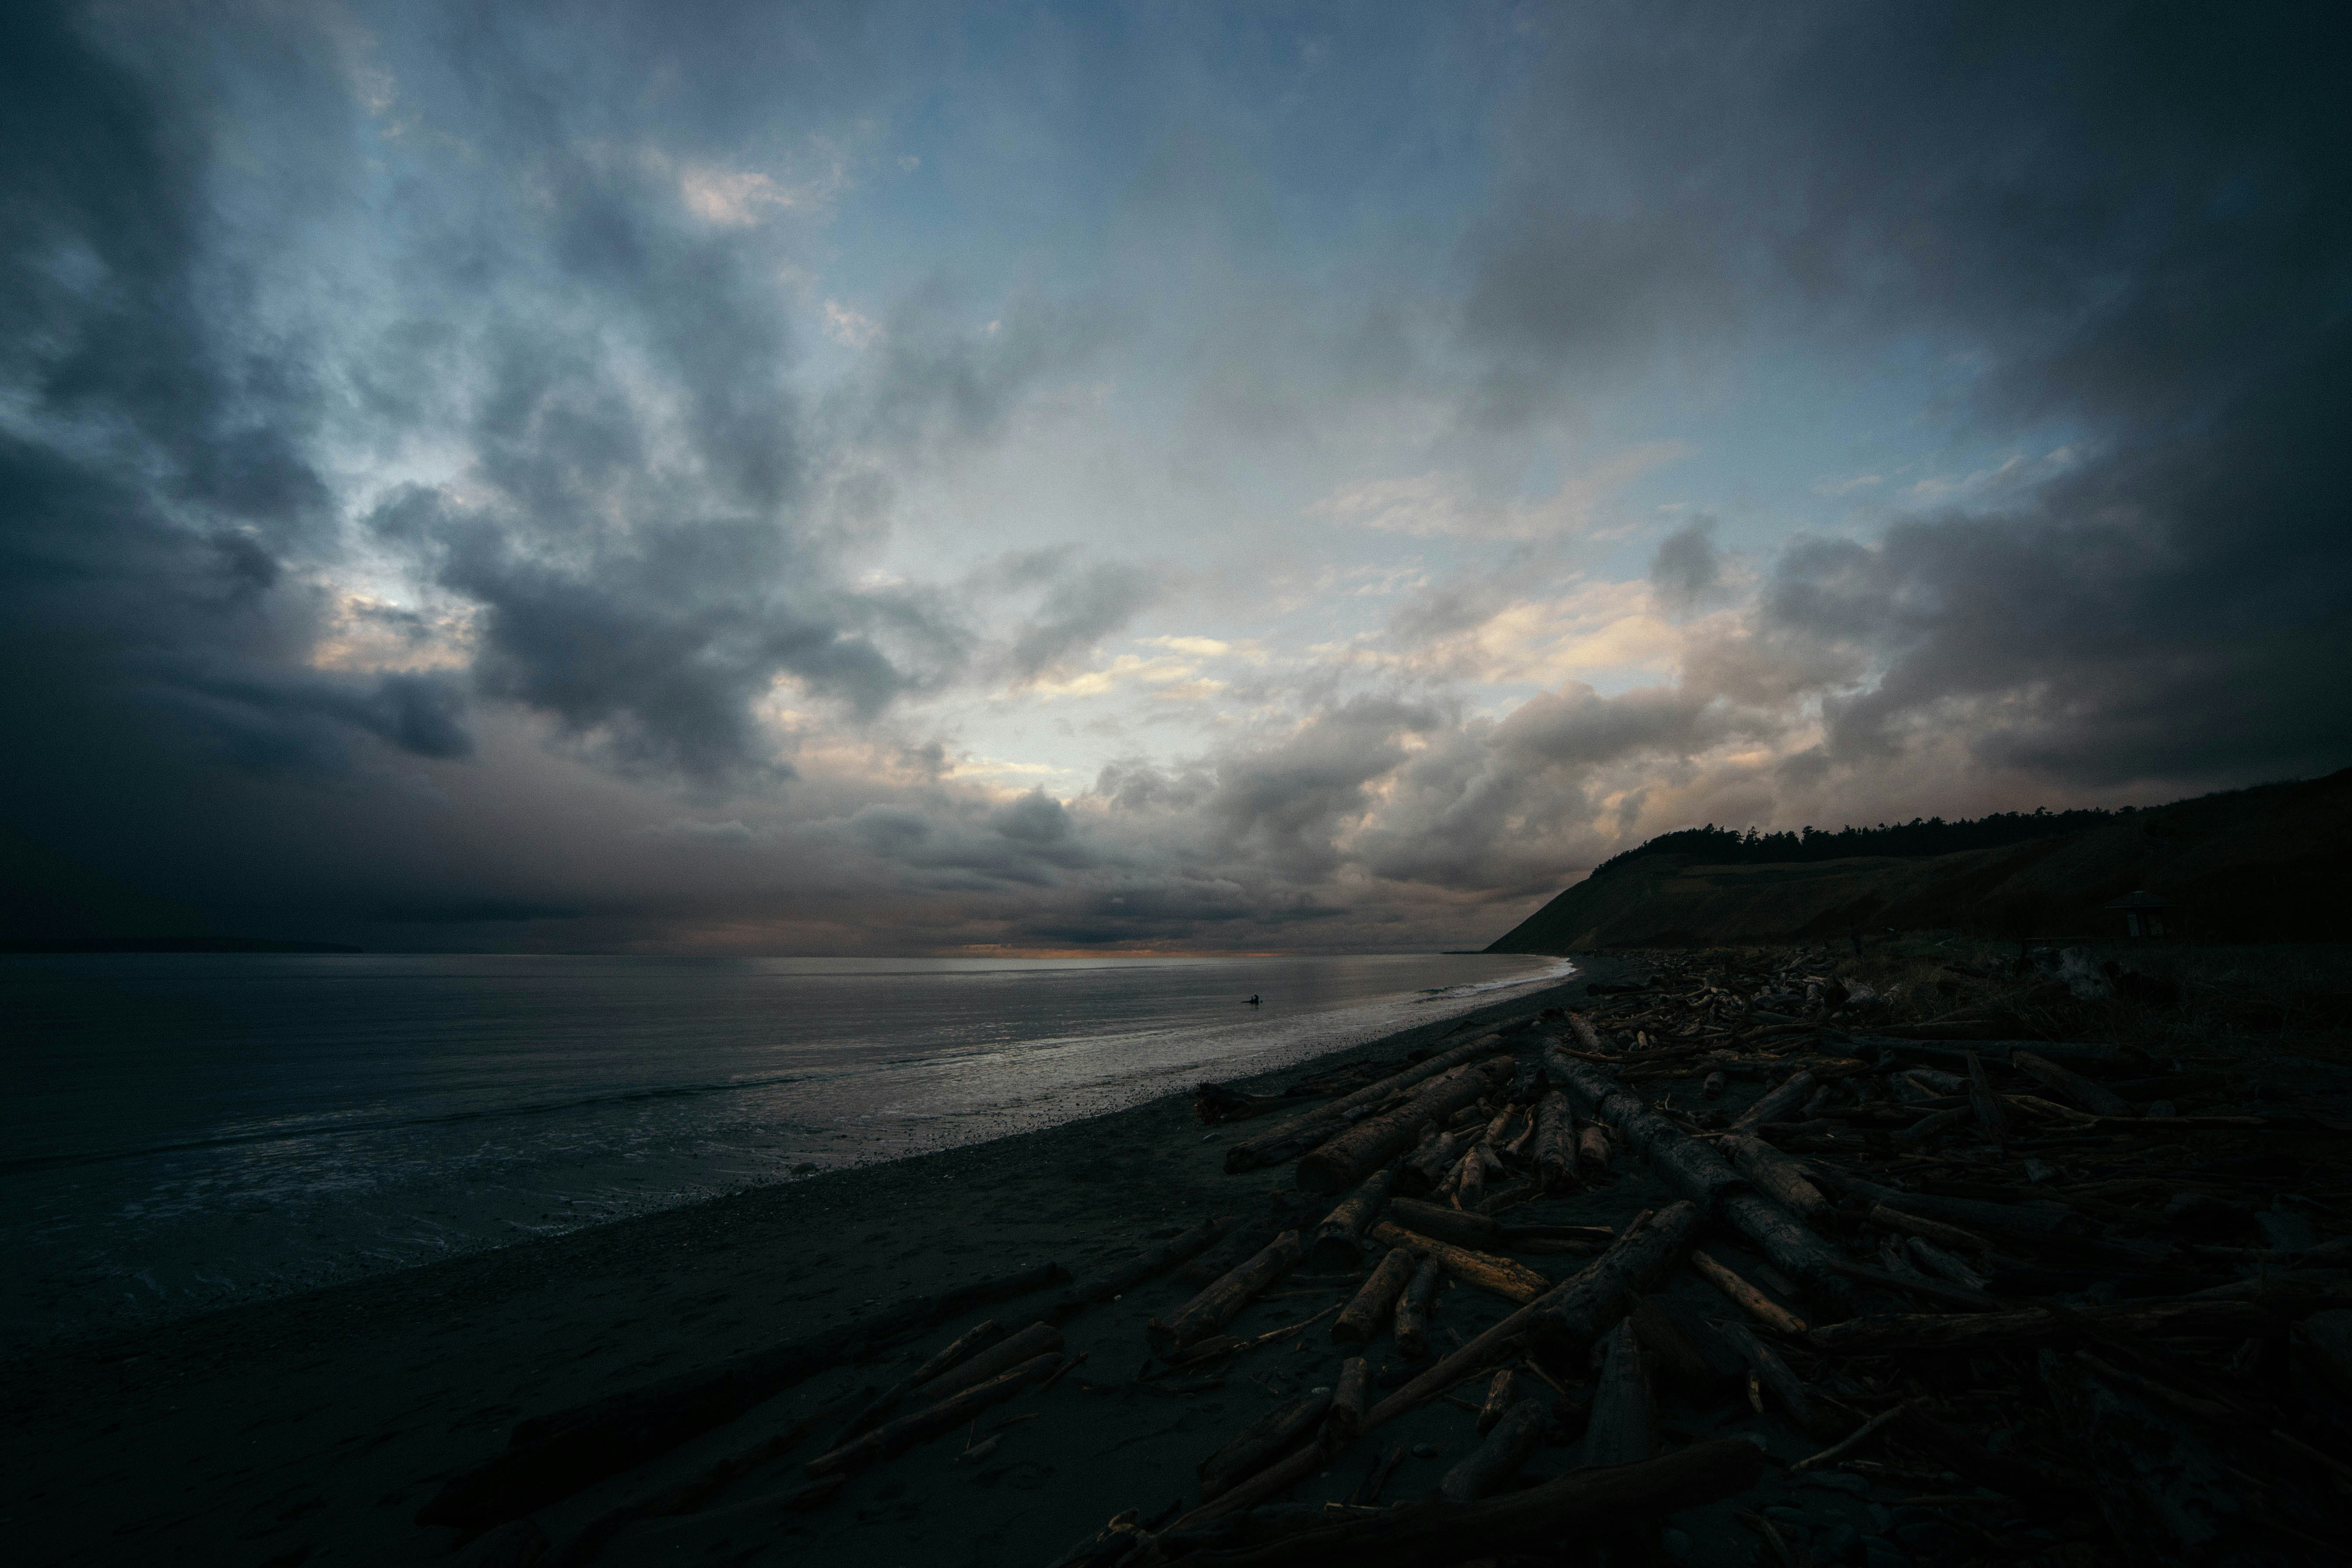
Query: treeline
[(1921, 836)]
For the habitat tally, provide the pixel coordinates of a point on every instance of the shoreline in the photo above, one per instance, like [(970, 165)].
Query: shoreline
[(314, 1424), (130, 1221)]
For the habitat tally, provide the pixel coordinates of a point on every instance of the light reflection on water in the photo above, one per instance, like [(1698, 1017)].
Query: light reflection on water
[(183, 1130)]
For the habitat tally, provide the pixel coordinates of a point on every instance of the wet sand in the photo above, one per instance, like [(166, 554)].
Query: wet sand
[(310, 1429)]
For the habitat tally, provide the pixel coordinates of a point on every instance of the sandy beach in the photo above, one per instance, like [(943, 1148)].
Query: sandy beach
[(310, 1429), (314, 1428)]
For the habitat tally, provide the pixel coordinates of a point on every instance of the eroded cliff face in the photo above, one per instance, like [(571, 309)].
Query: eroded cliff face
[(2272, 863)]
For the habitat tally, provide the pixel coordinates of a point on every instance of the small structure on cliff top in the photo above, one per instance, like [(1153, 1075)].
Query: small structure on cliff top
[(2143, 913)]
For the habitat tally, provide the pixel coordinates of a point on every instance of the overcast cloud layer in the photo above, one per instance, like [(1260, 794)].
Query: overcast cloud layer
[(920, 478)]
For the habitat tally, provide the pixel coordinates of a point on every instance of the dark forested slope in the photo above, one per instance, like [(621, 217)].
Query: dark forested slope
[(2272, 863)]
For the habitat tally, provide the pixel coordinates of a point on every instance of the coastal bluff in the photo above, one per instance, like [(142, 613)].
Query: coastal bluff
[(2267, 864)]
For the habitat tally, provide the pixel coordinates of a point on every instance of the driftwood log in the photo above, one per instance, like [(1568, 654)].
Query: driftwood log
[(1414, 1307), (1356, 1153), (1300, 1133), (1415, 1534), (1593, 1151), (1214, 1308), (976, 1338), (1036, 1339), (1237, 1245), (1692, 1168), (1985, 1103), (1777, 1177), (1775, 1104), (1431, 1159), (1745, 1296), (1359, 1322), (1684, 1365), (897, 1437), (1489, 1467), (2036, 1325), (1349, 1398), (1571, 1314), (1930, 1229), (1555, 1144), (1617, 1432), (1262, 1442), (2035, 1220), (1463, 1228), (1148, 1264), (1502, 1392), (1498, 1276), (550, 1457), (1340, 1239), (1788, 1390), (2070, 1085)]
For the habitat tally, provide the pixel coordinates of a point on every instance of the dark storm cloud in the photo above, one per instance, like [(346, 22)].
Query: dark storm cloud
[(2140, 217), (156, 489)]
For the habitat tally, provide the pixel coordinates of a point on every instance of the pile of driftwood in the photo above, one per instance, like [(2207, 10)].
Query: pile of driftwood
[(2076, 1310), (2039, 1301)]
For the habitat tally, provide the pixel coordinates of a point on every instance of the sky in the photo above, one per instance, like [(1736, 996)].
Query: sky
[(898, 480)]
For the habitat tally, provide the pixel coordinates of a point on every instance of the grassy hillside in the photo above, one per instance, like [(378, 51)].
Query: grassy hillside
[(2272, 863)]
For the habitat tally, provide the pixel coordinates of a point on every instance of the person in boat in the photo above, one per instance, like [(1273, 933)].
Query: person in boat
[(1253, 1001)]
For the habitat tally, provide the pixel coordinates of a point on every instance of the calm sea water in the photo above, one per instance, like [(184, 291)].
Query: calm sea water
[(181, 1131)]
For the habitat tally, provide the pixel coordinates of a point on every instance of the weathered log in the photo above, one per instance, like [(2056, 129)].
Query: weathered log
[(1746, 1297), (1687, 1367), (551, 1457), (1943, 1264), (2035, 1325), (1502, 1392), (1918, 1284), (1412, 1535), (1985, 1103), (1036, 1339), (919, 1426), (1414, 1307), (1353, 1154), (1489, 1467), (1777, 1177), (1470, 1186), (1617, 1432), (1428, 1165), (1148, 1264), (974, 1339), (1349, 1397), (1701, 1175), (1299, 1133), (2038, 1220), (1444, 1224), (2071, 1085), (1555, 1144), (1593, 1151), (1933, 1125), (584, 1545), (1791, 1247), (1237, 1246), (1571, 1315), (1987, 1469), (1359, 1322), (1368, 1490), (1214, 1308), (1340, 1239), (1499, 1275), (1777, 1103), (1795, 1399), (1262, 1442), (1933, 1230)]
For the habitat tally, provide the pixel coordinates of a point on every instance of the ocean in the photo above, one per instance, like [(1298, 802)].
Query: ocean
[(181, 1131)]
